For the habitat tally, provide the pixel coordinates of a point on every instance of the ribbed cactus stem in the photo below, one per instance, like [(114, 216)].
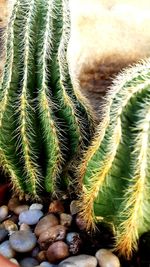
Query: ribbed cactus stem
[(26, 110), (64, 104), (106, 166), (7, 162), (82, 107), (48, 120), (135, 207)]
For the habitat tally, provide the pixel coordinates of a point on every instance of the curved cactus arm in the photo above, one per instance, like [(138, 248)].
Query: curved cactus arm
[(26, 110), (50, 130), (133, 215), (102, 163), (9, 161), (64, 106), (83, 109)]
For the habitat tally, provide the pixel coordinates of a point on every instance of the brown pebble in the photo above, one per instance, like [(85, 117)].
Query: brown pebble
[(65, 219), (56, 206), (45, 223), (57, 252), (20, 208), (10, 226), (80, 223), (106, 258), (41, 256), (55, 233), (13, 203)]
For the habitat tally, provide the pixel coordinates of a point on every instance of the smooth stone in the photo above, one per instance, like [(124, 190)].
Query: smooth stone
[(47, 264), (3, 234), (28, 262), (10, 226), (45, 223), (24, 227), (36, 206), (3, 213), (107, 259), (57, 251), (20, 209), (81, 260), (56, 206), (35, 252), (30, 217), (74, 207), (13, 203), (41, 256), (74, 241), (22, 241), (65, 219), (6, 250), (14, 261), (55, 233)]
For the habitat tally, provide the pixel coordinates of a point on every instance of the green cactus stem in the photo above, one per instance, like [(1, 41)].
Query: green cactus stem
[(105, 173)]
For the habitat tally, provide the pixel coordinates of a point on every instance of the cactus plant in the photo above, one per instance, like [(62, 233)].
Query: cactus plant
[(43, 118), (114, 174)]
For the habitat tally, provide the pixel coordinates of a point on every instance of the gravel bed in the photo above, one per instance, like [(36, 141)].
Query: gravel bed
[(32, 234)]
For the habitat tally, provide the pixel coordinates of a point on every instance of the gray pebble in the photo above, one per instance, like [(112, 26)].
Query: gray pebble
[(81, 260), (28, 262), (22, 241), (3, 234), (30, 217), (25, 227), (6, 250), (107, 259), (3, 213), (20, 208), (36, 206), (74, 207), (47, 264)]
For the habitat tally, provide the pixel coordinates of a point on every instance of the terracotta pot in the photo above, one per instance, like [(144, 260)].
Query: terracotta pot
[(6, 263)]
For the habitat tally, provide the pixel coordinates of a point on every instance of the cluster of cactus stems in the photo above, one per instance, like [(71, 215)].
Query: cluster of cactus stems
[(114, 177), (44, 121), (45, 124)]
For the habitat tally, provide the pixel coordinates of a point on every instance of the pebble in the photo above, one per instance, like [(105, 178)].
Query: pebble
[(6, 250), (45, 223), (14, 261), (3, 213), (107, 259), (80, 223), (57, 251), (30, 217), (28, 262), (24, 227), (55, 233), (65, 219), (74, 207), (80, 260), (10, 226), (36, 206), (56, 206), (74, 241), (20, 208), (3, 233), (13, 203), (47, 264), (41, 256), (22, 241), (35, 252)]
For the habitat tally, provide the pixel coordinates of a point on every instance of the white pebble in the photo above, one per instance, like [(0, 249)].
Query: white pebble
[(3, 212), (107, 259), (36, 206)]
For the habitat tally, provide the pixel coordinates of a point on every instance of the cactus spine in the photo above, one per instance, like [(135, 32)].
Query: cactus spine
[(114, 174), (38, 117)]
